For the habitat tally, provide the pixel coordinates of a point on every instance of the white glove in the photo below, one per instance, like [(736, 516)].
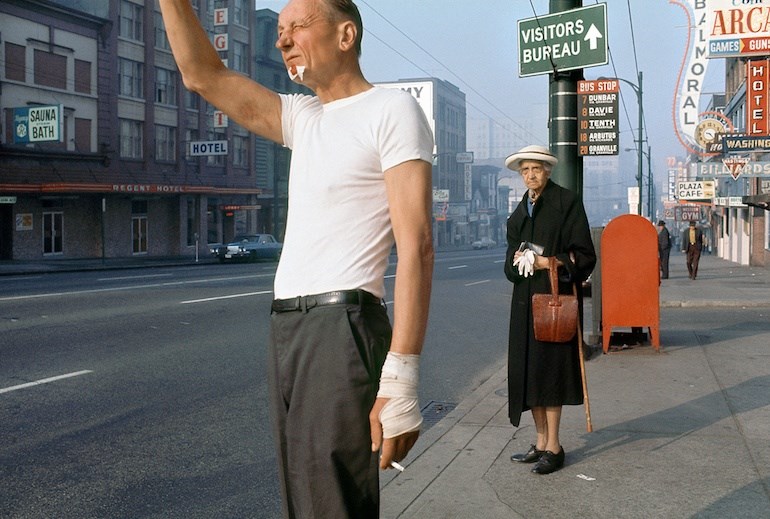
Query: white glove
[(525, 263), (398, 383)]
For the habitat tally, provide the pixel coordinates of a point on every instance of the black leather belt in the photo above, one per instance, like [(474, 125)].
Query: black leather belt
[(342, 297)]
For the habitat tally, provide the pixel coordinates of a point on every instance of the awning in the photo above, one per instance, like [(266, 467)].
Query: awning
[(762, 201)]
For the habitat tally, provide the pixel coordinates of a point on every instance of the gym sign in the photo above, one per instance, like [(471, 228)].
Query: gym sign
[(38, 124)]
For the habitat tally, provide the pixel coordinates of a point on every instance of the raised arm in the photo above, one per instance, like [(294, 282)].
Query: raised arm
[(245, 101)]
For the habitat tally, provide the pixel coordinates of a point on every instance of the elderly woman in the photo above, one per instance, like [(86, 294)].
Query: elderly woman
[(543, 376)]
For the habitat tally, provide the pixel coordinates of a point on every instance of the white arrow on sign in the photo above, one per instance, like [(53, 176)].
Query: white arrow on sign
[(592, 36)]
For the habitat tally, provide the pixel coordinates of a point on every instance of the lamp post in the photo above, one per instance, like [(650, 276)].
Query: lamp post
[(640, 141), (650, 194)]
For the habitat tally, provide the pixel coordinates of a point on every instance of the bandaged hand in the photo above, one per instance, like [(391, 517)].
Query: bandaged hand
[(398, 383), (525, 263)]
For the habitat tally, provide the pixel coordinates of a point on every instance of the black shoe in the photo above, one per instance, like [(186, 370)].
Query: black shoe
[(549, 462), (531, 456)]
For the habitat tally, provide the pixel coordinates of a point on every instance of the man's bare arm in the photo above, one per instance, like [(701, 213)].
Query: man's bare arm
[(409, 196), (245, 101)]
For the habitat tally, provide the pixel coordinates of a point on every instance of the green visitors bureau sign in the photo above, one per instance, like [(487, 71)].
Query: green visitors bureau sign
[(563, 41)]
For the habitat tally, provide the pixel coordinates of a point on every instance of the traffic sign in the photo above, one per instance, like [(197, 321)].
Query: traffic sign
[(598, 117), (464, 157), (566, 40)]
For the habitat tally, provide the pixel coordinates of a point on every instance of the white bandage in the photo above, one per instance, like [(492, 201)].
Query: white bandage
[(398, 383), (300, 72), (525, 263)]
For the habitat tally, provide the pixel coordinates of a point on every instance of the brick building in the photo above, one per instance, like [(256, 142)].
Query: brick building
[(139, 166)]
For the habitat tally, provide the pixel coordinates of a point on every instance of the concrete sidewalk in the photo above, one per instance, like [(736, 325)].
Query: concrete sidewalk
[(680, 433)]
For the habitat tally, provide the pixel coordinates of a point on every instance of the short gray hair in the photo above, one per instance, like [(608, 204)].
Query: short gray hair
[(346, 10)]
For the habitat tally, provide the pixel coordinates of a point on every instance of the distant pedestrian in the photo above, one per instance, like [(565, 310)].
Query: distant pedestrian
[(664, 248), (692, 244), (550, 221)]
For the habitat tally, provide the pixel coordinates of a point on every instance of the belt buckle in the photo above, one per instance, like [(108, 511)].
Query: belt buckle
[(308, 302)]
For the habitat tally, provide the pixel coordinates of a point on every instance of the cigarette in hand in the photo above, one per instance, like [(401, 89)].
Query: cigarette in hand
[(397, 466)]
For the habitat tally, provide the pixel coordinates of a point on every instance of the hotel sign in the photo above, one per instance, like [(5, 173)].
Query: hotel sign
[(758, 96), (205, 148)]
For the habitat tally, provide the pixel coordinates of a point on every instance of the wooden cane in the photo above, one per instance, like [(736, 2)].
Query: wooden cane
[(589, 427)]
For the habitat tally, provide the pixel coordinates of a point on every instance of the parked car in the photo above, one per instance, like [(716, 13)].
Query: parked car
[(484, 243), (251, 247), (214, 249)]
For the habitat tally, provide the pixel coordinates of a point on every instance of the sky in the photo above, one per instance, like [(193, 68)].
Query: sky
[(474, 45)]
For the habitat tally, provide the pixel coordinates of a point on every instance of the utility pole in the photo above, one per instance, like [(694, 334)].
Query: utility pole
[(562, 117)]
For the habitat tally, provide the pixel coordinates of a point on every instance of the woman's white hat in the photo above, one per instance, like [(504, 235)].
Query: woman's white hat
[(531, 152)]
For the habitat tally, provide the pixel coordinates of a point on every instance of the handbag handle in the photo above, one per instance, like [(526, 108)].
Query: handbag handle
[(552, 273)]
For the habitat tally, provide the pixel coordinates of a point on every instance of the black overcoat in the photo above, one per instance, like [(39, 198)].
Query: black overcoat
[(546, 374)]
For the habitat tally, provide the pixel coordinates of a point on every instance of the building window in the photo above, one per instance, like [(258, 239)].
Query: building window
[(165, 86), (131, 25), (191, 100), (82, 135), (240, 150), (216, 160), (191, 135), (130, 139), (240, 57), (82, 76), (15, 62), (131, 74), (50, 69), (165, 143), (161, 39), (240, 13)]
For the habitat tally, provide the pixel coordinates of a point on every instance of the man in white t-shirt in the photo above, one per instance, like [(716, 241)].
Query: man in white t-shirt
[(343, 382)]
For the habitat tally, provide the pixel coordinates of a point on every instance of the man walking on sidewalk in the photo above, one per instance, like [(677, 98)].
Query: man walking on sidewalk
[(692, 244), (664, 248)]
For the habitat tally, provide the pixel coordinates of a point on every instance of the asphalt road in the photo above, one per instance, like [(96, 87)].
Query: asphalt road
[(141, 393)]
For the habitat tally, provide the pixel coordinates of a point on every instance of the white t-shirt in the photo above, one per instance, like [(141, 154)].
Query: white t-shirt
[(338, 231)]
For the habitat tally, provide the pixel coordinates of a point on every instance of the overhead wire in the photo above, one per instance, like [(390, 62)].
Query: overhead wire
[(447, 68)]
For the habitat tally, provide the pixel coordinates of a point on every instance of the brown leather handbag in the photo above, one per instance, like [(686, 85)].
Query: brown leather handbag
[(555, 315)]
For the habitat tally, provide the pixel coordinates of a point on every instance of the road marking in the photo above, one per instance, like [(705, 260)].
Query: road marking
[(477, 283), (123, 278), (132, 287), (45, 381), (457, 267), (207, 299)]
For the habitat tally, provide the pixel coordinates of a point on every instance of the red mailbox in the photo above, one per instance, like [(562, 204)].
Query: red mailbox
[(630, 277)]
